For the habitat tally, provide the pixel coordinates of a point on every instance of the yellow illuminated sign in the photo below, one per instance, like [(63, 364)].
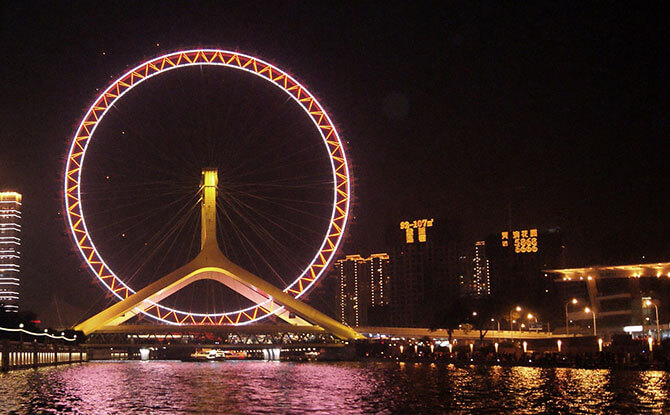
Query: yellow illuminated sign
[(525, 240), (420, 225), (505, 239)]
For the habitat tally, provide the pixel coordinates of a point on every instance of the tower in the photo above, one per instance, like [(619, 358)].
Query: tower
[(10, 244)]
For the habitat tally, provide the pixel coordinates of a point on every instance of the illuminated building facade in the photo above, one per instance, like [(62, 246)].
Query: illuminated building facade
[(364, 289), (475, 274), (10, 244), (481, 273), (351, 302), (423, 275), (380, 290), (380, 280)]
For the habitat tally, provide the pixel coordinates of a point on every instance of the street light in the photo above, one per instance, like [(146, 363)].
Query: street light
[(658, 328), (567, 327), (518, 309), (496, 322), (531, 316), (588, 310)]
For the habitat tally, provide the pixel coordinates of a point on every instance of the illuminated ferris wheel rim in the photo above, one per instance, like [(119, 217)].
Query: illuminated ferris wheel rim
[(221, 58)]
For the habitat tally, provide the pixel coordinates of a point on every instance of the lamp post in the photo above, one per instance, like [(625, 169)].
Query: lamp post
[(588, 310), (658, 326), (567, 327), (517, 309), (496, 322), (21, 333), (531, 317)]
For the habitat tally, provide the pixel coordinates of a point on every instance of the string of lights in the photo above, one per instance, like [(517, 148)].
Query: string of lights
[(45, 334)]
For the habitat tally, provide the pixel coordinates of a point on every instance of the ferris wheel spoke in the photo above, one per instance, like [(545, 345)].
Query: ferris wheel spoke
[(140, 218), (272, 218), (164, 242), (156, 239), (277, 248), (257, 253), (244, 242), (271, 249)]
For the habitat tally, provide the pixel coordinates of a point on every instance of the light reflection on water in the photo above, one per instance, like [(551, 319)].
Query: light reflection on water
[(327, 388)]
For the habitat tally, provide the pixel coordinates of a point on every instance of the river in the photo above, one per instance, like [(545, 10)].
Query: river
[(255, 387)]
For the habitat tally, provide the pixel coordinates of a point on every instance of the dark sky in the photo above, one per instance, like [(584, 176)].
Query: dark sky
[(556, 113)]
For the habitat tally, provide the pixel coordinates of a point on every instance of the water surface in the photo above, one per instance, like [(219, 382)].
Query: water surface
[(249, 387)]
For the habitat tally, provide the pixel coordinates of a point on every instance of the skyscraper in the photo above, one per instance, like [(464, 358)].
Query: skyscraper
[(518, 257), (364, 290), (380, 290), (380, 278), (351, 304), (423, 275), (10, 243), (481, 280)]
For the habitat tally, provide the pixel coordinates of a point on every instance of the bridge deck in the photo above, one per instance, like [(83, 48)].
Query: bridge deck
[(217, 329)]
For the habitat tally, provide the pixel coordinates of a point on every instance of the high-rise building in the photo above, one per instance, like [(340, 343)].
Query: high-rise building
[(474, 274), (364, 291), (10, 243), (423, 275), (380, 290), (352, 307), (481, 277), (517, 258)]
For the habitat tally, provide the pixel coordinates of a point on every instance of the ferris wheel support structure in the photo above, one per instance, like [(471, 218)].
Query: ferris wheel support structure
[(212, 264)]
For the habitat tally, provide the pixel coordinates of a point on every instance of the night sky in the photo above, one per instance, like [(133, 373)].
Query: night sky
[(477, 114)]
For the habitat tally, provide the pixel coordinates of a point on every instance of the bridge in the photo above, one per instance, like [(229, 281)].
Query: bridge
[(442, 334)]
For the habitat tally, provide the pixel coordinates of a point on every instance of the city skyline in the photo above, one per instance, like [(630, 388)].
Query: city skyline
[(334, 207), (496, 143)]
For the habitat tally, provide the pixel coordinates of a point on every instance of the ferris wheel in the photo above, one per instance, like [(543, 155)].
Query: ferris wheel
[(78, 208)]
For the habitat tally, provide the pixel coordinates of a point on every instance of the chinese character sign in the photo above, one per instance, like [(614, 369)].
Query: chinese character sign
[(420, 225), (524, 240)]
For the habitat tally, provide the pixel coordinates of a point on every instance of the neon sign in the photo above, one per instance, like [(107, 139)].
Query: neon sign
[(420, 225)]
